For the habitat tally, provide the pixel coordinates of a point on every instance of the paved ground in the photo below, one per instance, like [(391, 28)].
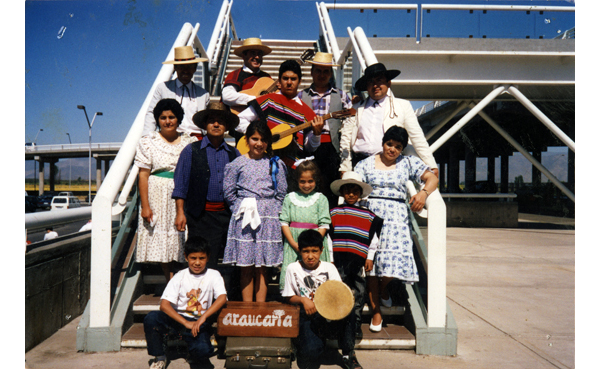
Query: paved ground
[(511, 291)]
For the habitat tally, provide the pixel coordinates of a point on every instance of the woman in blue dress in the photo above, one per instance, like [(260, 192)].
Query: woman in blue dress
[(388, 172)]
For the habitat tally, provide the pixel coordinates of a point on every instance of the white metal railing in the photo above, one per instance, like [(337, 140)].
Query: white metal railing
[(521, 8), (435, 208), (429, 107), (329, 35), (220, 33), (75, 147), (102, 206)]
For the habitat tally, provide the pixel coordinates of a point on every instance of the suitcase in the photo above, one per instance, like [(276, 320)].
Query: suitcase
[(259, 352)]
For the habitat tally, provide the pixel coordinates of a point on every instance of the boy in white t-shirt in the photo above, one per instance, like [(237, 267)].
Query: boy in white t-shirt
[(302, 279), (192, 296)]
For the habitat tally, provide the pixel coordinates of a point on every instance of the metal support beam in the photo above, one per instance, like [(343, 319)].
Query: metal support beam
[(542, 117), (467, 117), (528, 156), (462, 105)]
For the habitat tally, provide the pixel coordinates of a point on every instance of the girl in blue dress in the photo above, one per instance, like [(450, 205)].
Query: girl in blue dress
[(254, 186)]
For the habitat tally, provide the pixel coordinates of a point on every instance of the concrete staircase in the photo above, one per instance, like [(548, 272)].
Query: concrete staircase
[(394, 334)]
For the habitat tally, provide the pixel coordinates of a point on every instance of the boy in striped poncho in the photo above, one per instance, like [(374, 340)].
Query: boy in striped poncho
[(354, 232)]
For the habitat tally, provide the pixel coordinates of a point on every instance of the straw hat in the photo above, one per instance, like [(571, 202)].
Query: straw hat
[(373, 71), (252, 43), (324, 59), (185, 55), (231, 120), (354, 178)]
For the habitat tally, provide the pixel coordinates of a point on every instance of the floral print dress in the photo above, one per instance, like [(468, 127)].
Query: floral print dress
[(394, 257), (162, 242)]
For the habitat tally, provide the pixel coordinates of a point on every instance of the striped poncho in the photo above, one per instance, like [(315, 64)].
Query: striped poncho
[(352, 229), (277, 109)]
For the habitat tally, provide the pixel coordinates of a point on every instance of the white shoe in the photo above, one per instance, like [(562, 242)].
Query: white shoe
[(375, 328), (387, 303), (159, 364)]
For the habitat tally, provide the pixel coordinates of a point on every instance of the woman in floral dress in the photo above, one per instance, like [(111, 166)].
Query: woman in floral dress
[(388, 172), (157, 153)]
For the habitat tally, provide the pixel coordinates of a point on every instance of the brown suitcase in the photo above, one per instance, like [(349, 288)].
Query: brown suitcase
[(258, 319), (259, 352)]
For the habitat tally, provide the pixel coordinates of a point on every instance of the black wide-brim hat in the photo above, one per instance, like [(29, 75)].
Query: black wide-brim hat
[(373, 71), (231, 120)]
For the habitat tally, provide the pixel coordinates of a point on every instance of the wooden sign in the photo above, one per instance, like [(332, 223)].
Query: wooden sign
[(258, 319)]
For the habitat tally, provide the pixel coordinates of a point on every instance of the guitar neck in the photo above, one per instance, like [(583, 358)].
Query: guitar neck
[(302, 126)]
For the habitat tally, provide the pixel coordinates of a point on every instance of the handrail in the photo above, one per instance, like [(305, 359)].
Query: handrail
[(219, 32), (419, 20), (102, 204), (491, 7)]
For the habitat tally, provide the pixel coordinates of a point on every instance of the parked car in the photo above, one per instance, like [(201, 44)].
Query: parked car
[(45, 200), (30, 204), (65, 193), (65, 202)]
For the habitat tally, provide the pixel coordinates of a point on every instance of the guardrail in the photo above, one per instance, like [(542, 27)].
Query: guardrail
[(102, 206), (75, 147), (122, 177)]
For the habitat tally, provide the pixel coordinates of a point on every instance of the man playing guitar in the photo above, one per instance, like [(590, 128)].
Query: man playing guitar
[(252, 52), (284, 107)]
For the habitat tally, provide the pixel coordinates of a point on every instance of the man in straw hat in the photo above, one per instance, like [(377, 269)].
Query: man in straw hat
[(192, 97), (252, 52), (362, 134), (198, 179), (324, 98)]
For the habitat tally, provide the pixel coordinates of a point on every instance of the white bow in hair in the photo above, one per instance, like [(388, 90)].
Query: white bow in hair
[(299, 161), (250, 210)]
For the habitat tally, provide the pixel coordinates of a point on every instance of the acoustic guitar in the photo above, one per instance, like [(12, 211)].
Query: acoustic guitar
[(284, 133), (266, 85)]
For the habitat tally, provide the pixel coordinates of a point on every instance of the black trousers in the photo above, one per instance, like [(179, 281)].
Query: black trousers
[(350, 267), (328, 161)]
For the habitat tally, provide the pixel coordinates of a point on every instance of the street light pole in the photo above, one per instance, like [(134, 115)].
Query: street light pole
[(35, 163), (90, 125), (69, 162)]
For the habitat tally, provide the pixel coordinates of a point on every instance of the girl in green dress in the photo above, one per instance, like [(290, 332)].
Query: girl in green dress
[(303, 209)]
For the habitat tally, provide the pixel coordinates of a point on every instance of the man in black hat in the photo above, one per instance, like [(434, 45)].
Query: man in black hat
[(362, 134), (198, 178)]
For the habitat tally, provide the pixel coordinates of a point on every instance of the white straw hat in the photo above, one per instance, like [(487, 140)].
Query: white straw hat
[(353, 178)]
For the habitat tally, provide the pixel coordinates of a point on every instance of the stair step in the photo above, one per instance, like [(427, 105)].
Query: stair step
[(391, 337), (147, 303)]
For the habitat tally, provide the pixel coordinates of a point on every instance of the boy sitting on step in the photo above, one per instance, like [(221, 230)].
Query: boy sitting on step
[(192, 296), (302, 279)]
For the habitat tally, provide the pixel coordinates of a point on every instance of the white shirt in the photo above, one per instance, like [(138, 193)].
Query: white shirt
[(233, 97), (370, 132), (304, 282), (50, 235), (204, 288), (192, 102)]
